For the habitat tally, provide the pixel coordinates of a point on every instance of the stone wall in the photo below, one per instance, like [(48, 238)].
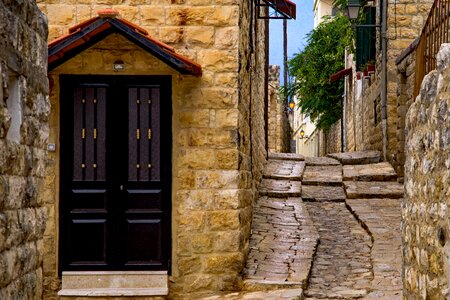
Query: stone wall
[(24, 110), (331, 140), (405, 20), (279, 130), (218, 127), (405, 97), (425, 226)]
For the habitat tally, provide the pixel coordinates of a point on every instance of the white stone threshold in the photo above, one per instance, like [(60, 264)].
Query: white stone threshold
[(114, 284)]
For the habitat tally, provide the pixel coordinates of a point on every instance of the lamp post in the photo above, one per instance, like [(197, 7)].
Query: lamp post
[(352, 10)]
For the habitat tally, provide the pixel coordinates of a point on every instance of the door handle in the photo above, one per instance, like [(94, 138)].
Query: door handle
[(121, 187)]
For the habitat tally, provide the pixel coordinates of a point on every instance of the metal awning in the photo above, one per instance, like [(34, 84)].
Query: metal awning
[(276, 9)]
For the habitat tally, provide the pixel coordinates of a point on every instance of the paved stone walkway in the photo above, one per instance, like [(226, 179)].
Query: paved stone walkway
[(325, 228)]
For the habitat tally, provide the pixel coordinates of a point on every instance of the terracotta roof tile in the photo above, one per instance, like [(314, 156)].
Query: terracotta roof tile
[(67, 46)]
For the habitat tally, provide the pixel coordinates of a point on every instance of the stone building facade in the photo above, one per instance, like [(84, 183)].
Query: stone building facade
[(425, 225), (24, 111), (405, 20), (278, 135), (217, 137)]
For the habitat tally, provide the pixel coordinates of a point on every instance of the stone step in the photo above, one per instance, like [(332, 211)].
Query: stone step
[(114, 284), (321, 161), (323, 193), (371, 172), (278, 294), (357, 157), (373, 189), (284, 169), (322, 175), (266, 285), (286, 156), (280, 188)]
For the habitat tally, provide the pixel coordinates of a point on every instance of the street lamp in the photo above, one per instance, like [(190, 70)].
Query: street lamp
[(291, 105), (302, 134), (352, 10)]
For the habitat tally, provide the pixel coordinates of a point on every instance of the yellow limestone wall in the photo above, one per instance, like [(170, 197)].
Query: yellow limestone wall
[(218, 127)]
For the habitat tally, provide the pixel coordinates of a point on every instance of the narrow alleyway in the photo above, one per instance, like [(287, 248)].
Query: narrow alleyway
[(325, 228)]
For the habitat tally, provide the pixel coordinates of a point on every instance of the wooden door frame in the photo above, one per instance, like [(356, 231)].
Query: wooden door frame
[(165, 81)]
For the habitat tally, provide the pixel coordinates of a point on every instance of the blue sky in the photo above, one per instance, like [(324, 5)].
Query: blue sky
[(297, 30)]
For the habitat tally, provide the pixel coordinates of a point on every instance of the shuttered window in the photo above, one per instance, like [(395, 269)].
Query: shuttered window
[(366, 38)]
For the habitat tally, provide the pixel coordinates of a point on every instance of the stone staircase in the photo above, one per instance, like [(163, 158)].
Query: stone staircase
[(284, 237), (325, 228)]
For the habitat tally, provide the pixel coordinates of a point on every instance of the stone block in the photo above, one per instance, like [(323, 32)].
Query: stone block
[(194, 118), (227, 159), (218, 60), (226, 38), (197, 159), (223, 220), (228, 241), (226, 118), (202, 243), (186, 179), (83, 12), (61, 14), (210, 98), (172, 34), (226, 179), (192, 220), (224, 263), (217, 138), (200, 35), (197, 282), (189, 265)]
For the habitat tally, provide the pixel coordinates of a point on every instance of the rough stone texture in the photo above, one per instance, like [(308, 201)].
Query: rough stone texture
[(286, 156), (280, 188), (291, 294), (342, 266), (24, 109), (284, 169), (322, 175), (373, 189), (218, 127), (386, 250), (371, 172), (321, 161), (278, 123), (358, 255), (357, 157), (282, 244), (322, 193), (425, 226)]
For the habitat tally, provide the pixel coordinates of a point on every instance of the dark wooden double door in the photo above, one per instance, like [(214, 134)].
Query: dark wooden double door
[(115, 172)]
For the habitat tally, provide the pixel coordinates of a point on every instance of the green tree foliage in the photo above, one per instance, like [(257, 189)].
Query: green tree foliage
[(324, 55)]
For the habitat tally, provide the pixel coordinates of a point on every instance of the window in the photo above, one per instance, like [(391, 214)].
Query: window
[(366, 39), (14, 106)]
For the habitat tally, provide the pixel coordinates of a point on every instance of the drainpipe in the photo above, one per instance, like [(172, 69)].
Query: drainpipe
[(384, 75)]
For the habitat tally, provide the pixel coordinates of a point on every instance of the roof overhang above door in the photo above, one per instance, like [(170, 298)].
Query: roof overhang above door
[(89, 32)]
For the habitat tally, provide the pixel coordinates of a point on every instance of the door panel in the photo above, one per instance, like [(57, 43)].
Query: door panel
[(115, 172), (87, 242), (143, 234)]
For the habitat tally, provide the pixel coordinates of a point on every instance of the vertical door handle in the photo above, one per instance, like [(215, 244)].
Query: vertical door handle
[(121, 187)]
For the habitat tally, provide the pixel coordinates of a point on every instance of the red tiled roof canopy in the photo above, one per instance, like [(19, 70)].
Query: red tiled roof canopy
[(338, 75), (89, 32), (285, 6)]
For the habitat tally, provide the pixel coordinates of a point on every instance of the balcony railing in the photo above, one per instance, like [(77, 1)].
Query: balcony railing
[(434, 33)]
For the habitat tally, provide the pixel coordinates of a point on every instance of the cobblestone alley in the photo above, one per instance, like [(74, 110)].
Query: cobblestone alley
[(325, 228)]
